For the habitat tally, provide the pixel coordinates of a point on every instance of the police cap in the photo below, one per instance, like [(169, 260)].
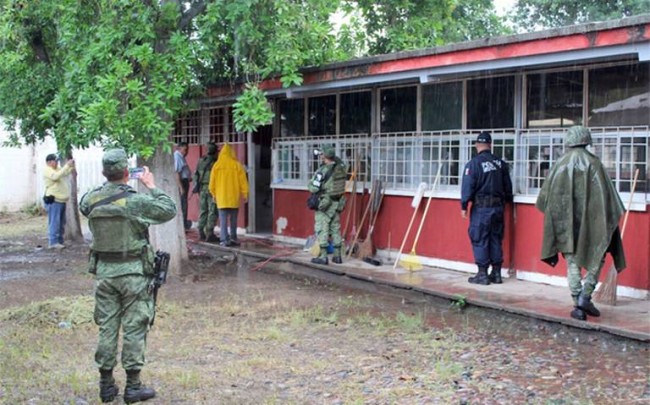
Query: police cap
[(484, 137)]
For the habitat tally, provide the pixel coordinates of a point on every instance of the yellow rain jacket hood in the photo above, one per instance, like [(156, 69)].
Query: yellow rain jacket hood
[(228, 182)]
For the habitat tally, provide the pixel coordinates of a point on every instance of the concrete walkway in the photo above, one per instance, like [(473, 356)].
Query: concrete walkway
[(629, 318)]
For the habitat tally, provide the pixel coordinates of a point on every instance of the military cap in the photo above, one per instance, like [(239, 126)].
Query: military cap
[(578, 136), (329, 152), (115, 160), (484, 137), (212, 148)]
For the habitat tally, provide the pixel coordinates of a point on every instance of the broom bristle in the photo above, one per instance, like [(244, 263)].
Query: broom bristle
[(411, 262), (366, 248), (606, 294)]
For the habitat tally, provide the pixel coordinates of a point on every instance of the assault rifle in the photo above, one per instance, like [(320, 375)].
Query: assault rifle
[(160, 267)]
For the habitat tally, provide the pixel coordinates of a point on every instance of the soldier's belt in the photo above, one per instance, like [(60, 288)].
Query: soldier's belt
[(118, 257)]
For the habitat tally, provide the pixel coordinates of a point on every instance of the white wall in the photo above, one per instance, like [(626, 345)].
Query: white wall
[(21, 173)]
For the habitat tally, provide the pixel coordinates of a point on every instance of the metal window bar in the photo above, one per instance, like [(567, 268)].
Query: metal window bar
[(188, 128), (403, 160)]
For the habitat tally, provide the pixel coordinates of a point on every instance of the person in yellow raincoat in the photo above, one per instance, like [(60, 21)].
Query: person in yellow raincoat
[(228, 186)]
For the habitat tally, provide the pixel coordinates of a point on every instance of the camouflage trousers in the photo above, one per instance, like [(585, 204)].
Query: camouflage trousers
[(327, 224), (122, 302), (574, 275), (207, 211)]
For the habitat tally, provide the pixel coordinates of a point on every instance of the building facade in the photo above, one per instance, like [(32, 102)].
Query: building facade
[(402, 118)]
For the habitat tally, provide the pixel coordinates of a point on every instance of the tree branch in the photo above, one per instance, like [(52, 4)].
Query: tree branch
[(196, 8)]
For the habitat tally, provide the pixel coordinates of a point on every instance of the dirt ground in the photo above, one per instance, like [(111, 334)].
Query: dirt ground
[(227, 335)]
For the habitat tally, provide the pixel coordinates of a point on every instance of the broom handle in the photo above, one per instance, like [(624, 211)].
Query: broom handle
[(629, 203), (373, 220), (363, 219), (426, 209), (408, 230)]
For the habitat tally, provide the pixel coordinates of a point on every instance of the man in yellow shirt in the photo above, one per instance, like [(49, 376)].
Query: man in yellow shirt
[(57, 194)]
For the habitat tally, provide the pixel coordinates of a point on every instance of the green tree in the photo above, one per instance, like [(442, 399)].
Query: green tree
[(398, 25), (118, 72), (539, 14)]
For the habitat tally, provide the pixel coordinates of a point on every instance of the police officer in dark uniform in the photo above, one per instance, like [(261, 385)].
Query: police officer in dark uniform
[(487, 185)]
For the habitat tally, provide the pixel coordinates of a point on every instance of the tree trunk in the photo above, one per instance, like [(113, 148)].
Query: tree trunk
[(170, 236), (72, 230)]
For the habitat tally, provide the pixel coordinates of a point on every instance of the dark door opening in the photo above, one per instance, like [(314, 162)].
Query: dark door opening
[(264, 195)]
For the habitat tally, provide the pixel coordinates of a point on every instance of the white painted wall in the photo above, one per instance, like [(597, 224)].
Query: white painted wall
[(21, 172)]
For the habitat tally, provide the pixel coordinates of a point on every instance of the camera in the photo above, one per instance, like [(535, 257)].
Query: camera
[(318, 152), (135, 172)]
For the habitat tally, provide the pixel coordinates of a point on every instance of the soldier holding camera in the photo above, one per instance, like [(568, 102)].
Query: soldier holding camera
[(123, 260)]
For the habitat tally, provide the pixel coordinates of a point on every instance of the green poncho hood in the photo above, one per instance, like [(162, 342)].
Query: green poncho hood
[(581, 211)]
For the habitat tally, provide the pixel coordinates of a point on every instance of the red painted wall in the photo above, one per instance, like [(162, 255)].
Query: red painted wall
[(444, 233)]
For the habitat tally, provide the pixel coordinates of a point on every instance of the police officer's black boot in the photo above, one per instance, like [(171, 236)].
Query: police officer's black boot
[(202, 234), (108, 390), (481, 277), (585, 304), (135, 391), (212, 238), (495, 274)]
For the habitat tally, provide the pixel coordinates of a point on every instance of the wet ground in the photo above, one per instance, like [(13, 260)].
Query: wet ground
[(245, 331)]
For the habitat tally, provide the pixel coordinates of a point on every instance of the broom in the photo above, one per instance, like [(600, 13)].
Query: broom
[(412, 262), (363, 219), (417, 198), (353, 193), (606, 294), (366, 249)]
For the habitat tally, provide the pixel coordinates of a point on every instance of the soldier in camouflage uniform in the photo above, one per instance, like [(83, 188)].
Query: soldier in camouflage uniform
[(122, 259), (207, 207), (329, 183)]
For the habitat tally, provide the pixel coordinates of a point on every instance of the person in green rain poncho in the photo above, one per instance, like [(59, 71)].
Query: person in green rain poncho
[(581, 212)]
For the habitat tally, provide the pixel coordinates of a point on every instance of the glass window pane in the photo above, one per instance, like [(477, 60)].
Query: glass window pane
[(554, 99), (291, 117), (355, 113), (322, 115), (398, 109), (491, 103), (620, 95), (442, 106)]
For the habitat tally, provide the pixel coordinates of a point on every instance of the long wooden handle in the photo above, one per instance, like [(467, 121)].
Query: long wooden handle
[(408, 230), (629, 203), (426, 209), (363, 219)]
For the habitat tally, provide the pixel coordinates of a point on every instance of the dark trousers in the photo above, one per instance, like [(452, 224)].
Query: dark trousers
[(185, 183), (486, 233)]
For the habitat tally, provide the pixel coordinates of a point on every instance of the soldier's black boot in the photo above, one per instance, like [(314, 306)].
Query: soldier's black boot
[(135, 391), (578, 314), (202, 234), (481, 277), (212, 238), (336, 257), (495, 274), (320, 260), (108, 390), (585, 304)]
